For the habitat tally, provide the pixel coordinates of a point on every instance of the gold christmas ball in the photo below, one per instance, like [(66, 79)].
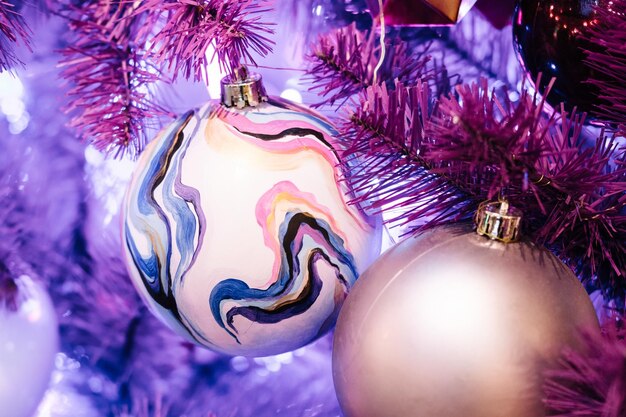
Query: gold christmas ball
[(452, 324)]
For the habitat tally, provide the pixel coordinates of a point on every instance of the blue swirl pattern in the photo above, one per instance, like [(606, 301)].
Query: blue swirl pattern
[(180, 215), (299, 256)]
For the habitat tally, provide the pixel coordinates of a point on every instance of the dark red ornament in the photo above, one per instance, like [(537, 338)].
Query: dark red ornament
[(498, 12), (422, 12), (547, 36)]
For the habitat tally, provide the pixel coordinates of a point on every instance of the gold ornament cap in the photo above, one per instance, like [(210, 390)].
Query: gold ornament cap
[(498, 221), (243, 89)]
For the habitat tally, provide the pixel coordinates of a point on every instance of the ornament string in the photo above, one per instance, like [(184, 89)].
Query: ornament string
[(383, 50)]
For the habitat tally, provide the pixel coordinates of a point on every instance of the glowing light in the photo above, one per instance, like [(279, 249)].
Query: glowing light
[(514, 96), (17, 125), (109, 178), (292, 94), (95, 384), (274, 363), (240, 363), (32, 308), (12, 106), (301, 351), (61, 400), (10, 86), (214, 73), (47, 406), (456, 305), (11, 103)]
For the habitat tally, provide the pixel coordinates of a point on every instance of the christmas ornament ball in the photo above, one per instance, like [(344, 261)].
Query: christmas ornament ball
[(498, 12), (416, 13), (29, 342), (450, 323), (238, 233), (548, 40)]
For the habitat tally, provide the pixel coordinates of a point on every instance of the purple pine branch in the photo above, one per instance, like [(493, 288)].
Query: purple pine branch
[(486, 143), (234, 28), (122, 20), (385, 139), (433, 162), (574, 197), (607, 57), (13, 29), (584, 191), (110, 99), (591, 383), (342, 64)]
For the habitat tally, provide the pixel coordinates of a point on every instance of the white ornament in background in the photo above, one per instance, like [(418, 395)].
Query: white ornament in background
[(29, 341)]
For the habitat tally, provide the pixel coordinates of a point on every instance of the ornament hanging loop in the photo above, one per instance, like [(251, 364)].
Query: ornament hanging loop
[(498, 221), (243, 89), (383, 51)]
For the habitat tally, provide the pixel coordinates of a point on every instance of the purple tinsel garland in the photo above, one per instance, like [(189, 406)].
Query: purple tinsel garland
[(383, 137), (191, 27), (13, 29), (607, 58), (343, 64), (119, 49), (574, 196), (110, 77), (591, 383)]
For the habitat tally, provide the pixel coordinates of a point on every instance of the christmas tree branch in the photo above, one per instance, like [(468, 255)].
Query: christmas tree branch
[(590, 382), (573, 197), (114, 60), (234, 29), (583, 206), (342, 64), (607, 57), (486, 143), (13, 29), (110, 77), (431, 162), (385, 137)]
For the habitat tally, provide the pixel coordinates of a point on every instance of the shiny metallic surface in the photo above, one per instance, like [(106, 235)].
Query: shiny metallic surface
[(451, 324), (245, 90), (548, 38), (498, 221)]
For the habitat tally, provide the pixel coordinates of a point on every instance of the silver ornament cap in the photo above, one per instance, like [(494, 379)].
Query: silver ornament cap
[(498, 221), (243, 89)]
